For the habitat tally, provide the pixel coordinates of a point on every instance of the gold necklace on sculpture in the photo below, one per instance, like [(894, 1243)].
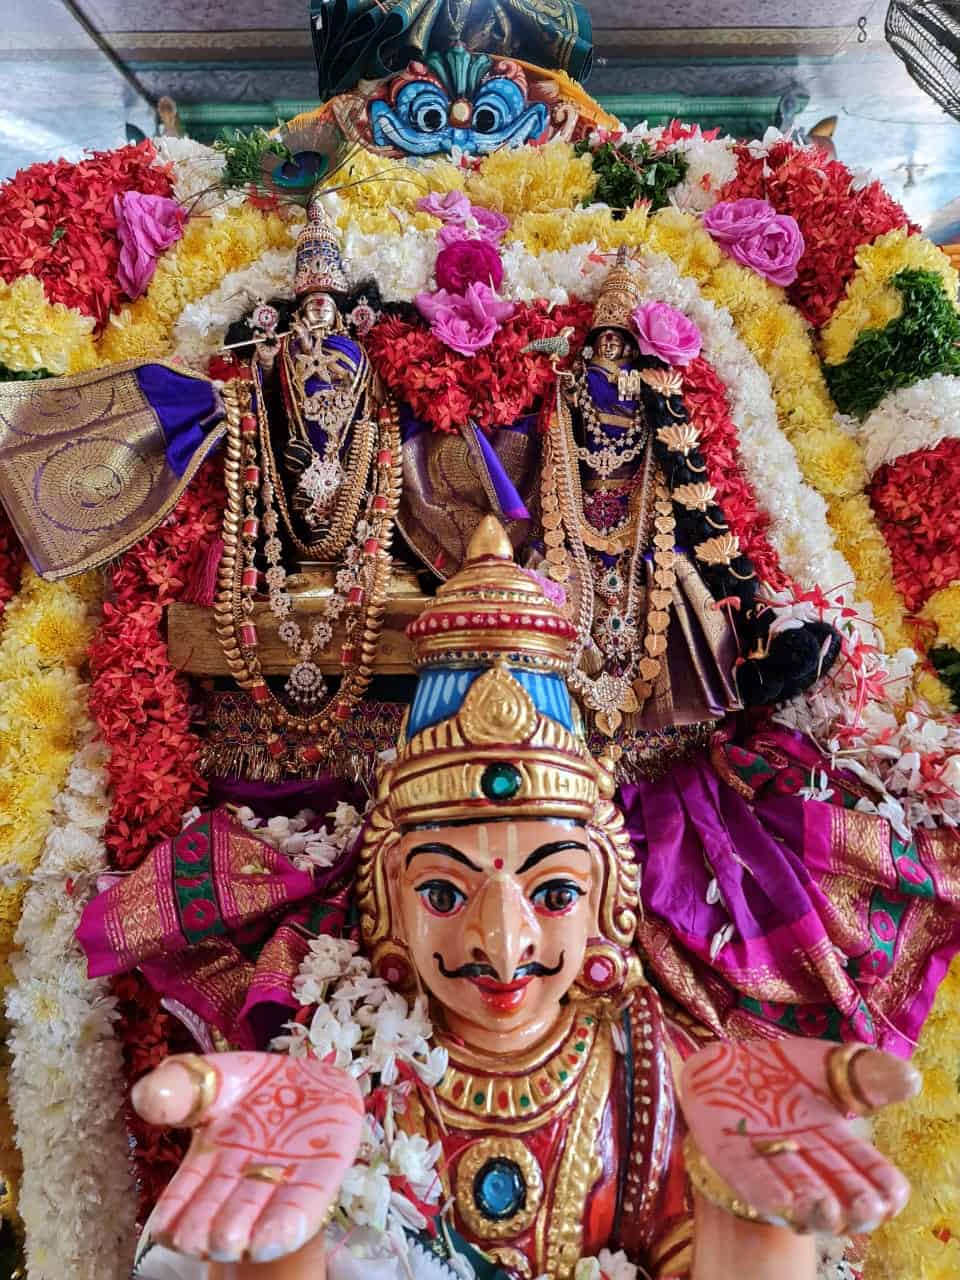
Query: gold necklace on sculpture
[(498, 1187), (611, 694), (608, 455), (340, 512)]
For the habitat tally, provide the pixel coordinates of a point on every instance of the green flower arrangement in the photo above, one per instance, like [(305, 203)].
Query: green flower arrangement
[(923, 340), (631, 171)]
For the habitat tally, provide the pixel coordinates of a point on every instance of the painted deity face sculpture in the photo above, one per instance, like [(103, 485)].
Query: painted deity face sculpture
[(613, 344), (319, 311), (496, 873)]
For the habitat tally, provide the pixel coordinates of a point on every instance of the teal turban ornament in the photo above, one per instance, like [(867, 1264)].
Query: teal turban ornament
[(369, 39)]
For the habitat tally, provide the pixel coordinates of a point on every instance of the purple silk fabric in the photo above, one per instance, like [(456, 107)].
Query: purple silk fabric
[(186, 407), (512, 506), (285, 799)]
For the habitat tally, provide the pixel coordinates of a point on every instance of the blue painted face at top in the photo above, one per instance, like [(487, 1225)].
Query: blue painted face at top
[(426, 121)]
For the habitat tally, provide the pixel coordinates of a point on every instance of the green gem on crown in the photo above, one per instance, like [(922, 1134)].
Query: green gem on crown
[(500, 781)]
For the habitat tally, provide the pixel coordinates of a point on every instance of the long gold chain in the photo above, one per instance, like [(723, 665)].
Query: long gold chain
[(356, 470), (238, 576)]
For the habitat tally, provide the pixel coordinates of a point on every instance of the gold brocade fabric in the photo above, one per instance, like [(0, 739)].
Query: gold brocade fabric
[(83, 466)]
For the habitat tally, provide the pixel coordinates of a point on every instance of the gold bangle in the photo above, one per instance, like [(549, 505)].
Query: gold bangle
[(844, 1089), (705, 1179), (206, 1082)]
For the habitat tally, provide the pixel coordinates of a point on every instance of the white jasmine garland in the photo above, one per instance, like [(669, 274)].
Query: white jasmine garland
[(201, 326), (197, 173), (910, 419), (77, 1200)]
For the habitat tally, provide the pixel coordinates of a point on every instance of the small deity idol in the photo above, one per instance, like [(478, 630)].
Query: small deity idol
[(497, 881), (670, 635), (316, 401)]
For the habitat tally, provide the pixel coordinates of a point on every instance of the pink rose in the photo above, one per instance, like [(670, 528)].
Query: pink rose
[(774, 251), (666, 333), (146, 225), (466, 322), (466, 262), (492, 225), (732, 220), (452, 206)]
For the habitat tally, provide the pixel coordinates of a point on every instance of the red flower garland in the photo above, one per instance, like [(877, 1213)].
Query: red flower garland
[(834, 218), (142, 709), (705, 397), (916, 499), (495, 387), (57, 223)]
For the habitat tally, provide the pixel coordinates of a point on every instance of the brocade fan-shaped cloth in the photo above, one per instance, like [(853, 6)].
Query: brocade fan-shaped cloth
[(91, 464)]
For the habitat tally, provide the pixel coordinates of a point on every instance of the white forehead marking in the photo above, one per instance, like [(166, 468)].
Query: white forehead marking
[(511, 839), (483, 840)]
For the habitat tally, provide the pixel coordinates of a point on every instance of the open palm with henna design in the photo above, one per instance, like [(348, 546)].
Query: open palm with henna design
[(273, 1139), (765, 1118)]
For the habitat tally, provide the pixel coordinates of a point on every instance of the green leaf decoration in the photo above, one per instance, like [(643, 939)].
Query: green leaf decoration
[(631, 171), (946, 661), (244, 152), (22, 375), (922, 341)]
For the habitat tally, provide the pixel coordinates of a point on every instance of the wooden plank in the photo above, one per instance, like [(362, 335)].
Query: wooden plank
[(195, 648)]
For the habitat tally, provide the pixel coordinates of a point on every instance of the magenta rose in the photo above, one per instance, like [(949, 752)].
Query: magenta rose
[(666, 333), (146, 225), (464, 322), (467, 262), (732, 220), (774, 251)]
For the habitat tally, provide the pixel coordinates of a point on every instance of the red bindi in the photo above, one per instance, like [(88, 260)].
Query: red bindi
[(498, 864)]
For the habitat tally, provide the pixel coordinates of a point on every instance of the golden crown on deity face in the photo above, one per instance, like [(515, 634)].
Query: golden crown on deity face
[(319, 266), (492, 733), (619, 298)]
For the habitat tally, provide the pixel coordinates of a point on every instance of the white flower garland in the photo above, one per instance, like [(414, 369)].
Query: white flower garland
[(711, 164), (200, 330), (799, 530), (910, 419), (197, 172), (77, 1200)]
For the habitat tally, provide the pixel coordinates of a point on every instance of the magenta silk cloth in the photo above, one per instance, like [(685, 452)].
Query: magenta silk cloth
[(219, 921), (766, 913)]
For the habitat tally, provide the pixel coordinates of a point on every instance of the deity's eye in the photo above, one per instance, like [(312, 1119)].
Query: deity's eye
[(556, 896), (441, 897), (427, 110), (497, 105)]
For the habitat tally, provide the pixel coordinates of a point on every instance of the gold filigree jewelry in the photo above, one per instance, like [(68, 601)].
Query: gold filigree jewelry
[(695, 497), (718, 1191), (525, 1091), (681, 439), (206, 1083), (665, 382), (508, 1159), (719, 550), (840, 1079)]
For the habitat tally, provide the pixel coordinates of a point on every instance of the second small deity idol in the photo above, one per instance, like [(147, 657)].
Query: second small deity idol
[(670, 635), (317, 389), (553, 1109)]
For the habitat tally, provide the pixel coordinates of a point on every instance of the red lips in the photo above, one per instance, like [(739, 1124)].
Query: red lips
[(502, 997)]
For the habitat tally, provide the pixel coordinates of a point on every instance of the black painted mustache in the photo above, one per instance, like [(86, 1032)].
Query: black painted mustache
[(479, 970)]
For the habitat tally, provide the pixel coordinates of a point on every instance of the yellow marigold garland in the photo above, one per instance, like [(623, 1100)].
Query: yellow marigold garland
[(830, 460), (532, 179), (36, 334), (212, 246), (922, 1137), (871, 302), (47, 628), (555, 230)]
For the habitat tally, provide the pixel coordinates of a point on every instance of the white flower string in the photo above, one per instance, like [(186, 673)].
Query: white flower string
[(77, 1200), (913, 418)]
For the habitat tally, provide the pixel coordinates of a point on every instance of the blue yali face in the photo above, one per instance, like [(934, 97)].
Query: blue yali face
[(424, 121)]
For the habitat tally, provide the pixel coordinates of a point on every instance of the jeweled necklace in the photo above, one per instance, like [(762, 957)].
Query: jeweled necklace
[(609, 455)]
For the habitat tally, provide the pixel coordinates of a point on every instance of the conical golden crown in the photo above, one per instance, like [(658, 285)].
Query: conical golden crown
[(619, 297), (319, 264)]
